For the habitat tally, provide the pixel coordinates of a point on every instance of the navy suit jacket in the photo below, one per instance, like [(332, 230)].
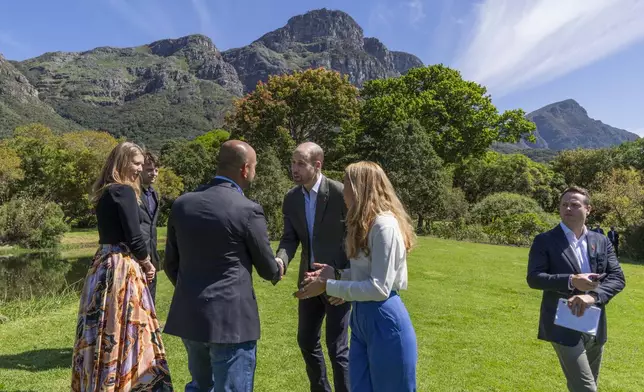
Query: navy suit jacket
[(215, 238), (550, 264)]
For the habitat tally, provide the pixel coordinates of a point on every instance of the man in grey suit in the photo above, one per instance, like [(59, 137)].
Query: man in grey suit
[(579, 265), (314, 213), (215, 238)]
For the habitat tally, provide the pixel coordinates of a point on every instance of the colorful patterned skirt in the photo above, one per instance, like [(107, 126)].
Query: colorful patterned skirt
[(118, 344)]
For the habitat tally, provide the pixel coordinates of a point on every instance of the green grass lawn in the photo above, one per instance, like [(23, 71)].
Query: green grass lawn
[(475, 320)]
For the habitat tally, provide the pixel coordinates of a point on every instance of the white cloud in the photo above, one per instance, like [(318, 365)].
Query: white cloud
[(522, 43), (380, 16), (147, 16), (205, 20), (416, 11)]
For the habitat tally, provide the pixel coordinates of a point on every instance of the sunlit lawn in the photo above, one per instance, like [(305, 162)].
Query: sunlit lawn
[(475, 319)]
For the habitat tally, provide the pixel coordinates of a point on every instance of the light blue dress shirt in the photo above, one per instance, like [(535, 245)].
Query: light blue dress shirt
[(310, 202)]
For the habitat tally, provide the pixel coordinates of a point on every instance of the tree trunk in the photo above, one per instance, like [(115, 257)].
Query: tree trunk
[(419, 227)]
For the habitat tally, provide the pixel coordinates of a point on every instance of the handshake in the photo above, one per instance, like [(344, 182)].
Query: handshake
[(282, 270)]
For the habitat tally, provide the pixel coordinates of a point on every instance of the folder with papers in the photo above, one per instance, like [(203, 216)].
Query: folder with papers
[(587, 323)]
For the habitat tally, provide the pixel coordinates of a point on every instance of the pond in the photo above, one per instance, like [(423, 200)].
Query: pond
[(33, 275)]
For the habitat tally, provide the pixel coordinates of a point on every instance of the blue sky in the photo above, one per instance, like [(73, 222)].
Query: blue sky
[(528, 52)]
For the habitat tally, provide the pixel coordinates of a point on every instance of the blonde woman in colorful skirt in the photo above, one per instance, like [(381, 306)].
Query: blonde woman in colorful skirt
[(118, 344)]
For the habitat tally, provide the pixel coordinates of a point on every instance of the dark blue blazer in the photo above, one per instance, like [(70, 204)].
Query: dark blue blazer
[(552, 261), (215, 238)]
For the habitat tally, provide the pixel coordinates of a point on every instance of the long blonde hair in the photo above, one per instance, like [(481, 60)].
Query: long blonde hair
[(373, 194), (115, 170)]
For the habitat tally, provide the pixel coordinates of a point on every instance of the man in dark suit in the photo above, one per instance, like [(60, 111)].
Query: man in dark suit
[(568, 262), (215, 237), (598, 229), (149, 213), (613, 236), (314, 213)]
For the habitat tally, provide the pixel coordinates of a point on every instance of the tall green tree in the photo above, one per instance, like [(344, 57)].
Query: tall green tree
[(582, 167), (405, 152), (314, 105), (190, 161), (10, 171), (269, 188), (457, 115)]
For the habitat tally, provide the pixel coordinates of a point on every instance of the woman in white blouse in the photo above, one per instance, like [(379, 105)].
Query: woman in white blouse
[(382, 353)]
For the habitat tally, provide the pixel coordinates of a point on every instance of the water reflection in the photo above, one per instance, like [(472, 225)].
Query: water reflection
[(33, 275)]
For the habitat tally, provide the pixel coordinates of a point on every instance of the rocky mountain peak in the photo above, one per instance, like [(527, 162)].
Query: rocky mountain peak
[(317, 27), (568, 106), (168, 47)]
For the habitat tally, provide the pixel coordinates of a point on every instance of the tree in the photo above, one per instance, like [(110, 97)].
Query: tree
[(458, 115), (188, 160), (405, 153), (620, 198), (515, 173), (61, 168), (582, 167), (169, 186), (268, 190), (10, 171), (314, 105)]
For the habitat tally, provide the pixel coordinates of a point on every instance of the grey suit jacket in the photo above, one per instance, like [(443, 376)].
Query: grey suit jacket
[(329, 228), (552, 261)]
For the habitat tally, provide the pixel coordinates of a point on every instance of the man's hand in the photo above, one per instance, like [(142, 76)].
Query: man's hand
[(280, 264), (149, 270), (335, 301), (321, 271), (579, 303), (583, 282)]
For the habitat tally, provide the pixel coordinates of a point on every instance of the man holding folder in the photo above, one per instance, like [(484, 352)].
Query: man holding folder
[(579, 265)]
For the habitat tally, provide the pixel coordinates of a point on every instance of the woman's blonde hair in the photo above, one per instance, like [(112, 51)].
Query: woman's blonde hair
[(115, 170), (373, 194)]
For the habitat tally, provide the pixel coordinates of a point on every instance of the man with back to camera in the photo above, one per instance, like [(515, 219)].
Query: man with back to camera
[(314, 213), (215, 238), (579, 265)]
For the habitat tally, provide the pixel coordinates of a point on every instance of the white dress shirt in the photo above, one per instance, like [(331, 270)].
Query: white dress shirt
[(579, 247), (373, 277)]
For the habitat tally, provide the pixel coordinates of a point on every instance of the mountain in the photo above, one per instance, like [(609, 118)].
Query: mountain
[(181, 87), (151, 93), (20, 103), (566, 125), (320, 38)]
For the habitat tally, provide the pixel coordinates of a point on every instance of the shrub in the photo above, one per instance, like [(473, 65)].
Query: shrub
[(518, 229), (32, 223), (459, 231), (632, 242), (502, 205)]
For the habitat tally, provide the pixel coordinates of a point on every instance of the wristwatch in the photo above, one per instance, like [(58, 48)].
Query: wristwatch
[(338, 274)]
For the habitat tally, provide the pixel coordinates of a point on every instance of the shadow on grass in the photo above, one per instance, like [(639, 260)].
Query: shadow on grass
[(38, 360)]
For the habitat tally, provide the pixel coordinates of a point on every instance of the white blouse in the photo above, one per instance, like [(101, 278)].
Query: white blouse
[(373, 277)]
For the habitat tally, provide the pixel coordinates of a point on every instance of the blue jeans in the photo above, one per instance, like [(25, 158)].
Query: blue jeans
[(382, 353), (218, 367)]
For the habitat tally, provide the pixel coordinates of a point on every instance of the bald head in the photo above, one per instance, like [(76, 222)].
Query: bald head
[(312, 151), (237, 161)]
